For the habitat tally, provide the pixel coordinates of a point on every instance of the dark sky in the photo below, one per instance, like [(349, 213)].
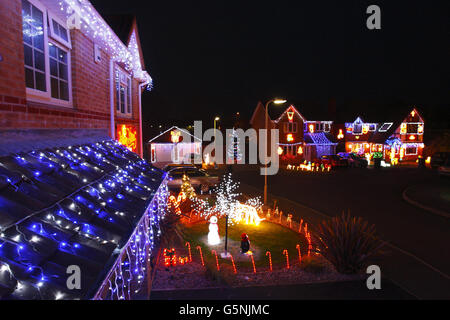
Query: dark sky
[(218, 57)]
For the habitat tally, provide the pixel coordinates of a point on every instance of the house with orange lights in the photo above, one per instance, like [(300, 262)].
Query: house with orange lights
[(395, 141), (66, 71), (299, 139)]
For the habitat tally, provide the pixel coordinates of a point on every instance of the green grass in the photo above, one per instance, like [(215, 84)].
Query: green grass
[(267, 237)]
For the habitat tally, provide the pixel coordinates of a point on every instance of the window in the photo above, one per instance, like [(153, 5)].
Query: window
[(47, 62), (357, 128), (411, 151), (412, 128), (327, 127), (59, 72), (372, 127), (385, 127), (34, 46), (123, 92), (58, 32)]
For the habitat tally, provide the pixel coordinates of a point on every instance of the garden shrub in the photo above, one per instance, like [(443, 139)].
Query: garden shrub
[(347, 242)]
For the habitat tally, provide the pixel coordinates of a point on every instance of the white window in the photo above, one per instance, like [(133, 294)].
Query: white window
[(123, 92), (46, 55)]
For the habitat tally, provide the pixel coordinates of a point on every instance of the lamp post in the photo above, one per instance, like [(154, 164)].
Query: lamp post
[(275, 101), (215, 151)]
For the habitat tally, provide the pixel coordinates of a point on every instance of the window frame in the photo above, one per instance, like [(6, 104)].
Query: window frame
[(52, 33), (411, 147), (128, 86), (35, 95)]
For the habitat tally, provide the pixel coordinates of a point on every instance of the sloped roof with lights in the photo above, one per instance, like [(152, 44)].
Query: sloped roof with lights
[(73, 205), (319, 138), (165, 137)]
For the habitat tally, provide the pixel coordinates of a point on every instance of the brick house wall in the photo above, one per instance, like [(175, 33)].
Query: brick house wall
[(91, 105)]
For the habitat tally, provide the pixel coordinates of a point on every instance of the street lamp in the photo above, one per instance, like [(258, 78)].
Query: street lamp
[(278, 102), (215, 151)]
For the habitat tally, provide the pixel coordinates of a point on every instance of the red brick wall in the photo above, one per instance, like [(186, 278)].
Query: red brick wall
[(90, 83)]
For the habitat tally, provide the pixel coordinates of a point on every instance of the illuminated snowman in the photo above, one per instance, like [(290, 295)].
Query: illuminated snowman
[(213, 235)]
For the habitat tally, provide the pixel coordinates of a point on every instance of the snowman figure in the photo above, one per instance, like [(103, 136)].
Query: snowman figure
[(213, 235)]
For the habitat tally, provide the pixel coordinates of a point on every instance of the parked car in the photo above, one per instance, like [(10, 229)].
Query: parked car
[(199, 178), (354, 160), (334, 161), (444, 170), (439, 158)]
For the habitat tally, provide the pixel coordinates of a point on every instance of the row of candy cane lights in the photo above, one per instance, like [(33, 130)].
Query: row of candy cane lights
[(170, 257)]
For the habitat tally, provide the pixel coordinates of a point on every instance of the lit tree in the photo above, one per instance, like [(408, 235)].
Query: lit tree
[(187, 188), (233, 149)]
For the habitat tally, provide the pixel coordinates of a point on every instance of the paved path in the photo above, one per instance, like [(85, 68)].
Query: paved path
[(433, 196), (417, 257)]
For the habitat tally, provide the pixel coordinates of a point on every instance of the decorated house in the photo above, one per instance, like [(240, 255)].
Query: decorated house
[(300, 139), (396, 141), (73, 200), (64, 67), (174, 145)]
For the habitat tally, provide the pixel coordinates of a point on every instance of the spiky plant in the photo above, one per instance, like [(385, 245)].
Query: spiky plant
[(347, 242)]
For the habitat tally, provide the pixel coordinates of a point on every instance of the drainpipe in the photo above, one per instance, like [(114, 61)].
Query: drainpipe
[(111, 97), (140, 119)]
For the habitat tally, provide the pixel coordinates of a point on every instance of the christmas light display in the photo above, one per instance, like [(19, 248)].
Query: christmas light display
[(213, 235), (217, 259), (270, 260), (232, 263), (299, 253), (94, 202), (253, 260), (187, 244), (81, 14), (201, 255), (234, 152), (286, 253), (127, 136)]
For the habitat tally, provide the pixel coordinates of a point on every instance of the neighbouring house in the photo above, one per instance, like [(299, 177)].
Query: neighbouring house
[(395, 141), (65, 67), (174, 145), (299, 139), (400, 139), (72, 198)]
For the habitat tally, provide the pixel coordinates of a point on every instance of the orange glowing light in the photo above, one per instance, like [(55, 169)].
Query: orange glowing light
[(175, 136), (413, 113), (403, 128), (300, 150), (201, 255), (365, 129), (290, 115), (299, 253), (253, 261), (286, 253), (357, 137), (420, 129), (127, 136), (340, 135), (290, 137), (232, 262), (311, 128), (412, 137), (270, 260), (280, 151), (189, 249), (217, 260)]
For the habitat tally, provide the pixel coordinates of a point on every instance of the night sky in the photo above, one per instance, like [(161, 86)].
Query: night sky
[(217, 57)]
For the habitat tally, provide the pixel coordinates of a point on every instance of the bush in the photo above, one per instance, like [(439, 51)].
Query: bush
[(312, 265), (347, 242)]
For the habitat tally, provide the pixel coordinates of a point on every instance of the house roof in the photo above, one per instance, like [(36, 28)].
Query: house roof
[(165, 137), (121, 25), (65, 206), (319, 138)]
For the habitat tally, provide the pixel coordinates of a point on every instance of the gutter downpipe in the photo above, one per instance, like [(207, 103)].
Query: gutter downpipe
[(111, 97), (141, 85)]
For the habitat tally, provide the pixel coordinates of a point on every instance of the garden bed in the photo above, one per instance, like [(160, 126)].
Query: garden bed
[(267, 237)]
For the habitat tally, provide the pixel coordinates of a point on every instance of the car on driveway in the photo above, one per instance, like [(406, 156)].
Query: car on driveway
[(439, 158), (199, 179), (354, 160), (444, 170), (334, 161)]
